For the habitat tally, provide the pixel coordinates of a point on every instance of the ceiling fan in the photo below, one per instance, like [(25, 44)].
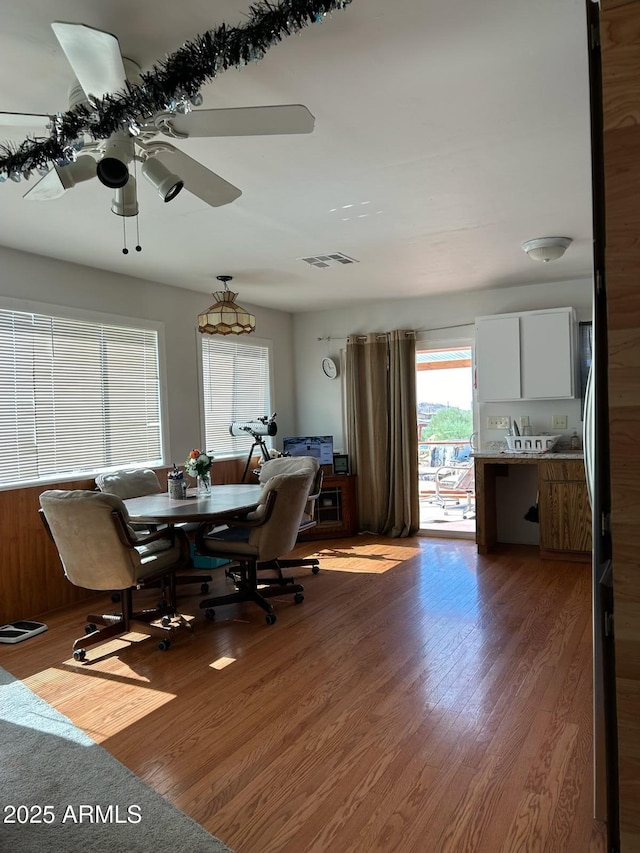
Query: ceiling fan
[(101, 70)]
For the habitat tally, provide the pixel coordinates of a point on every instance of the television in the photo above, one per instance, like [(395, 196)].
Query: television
[(320, 446)]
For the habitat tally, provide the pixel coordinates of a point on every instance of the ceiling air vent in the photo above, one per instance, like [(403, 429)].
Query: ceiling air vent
[(333, 260)]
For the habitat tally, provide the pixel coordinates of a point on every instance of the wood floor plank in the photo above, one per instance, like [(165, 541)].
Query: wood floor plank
[(421, 698)]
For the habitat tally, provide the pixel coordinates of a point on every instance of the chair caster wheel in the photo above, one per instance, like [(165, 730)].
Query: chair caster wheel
[(204, 588), (90, 628), (115, 596), (298, 598), (165, 621), (270, 618), (163, 645), (315, 570), (79, 654), (210, 614)]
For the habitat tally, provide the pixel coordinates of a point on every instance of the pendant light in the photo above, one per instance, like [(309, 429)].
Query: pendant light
[(225, 317)]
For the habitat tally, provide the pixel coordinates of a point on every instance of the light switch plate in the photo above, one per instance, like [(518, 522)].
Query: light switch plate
[(558, 421)]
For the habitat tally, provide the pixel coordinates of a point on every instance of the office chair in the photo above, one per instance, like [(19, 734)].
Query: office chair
[(272, 530), (134, 483), (294, 465), (100, 551)]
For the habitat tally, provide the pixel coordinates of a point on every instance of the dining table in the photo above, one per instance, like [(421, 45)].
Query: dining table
[(221, 501)]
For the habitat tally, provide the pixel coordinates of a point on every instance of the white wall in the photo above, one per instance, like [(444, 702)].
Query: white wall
[(30, 277), (319, 400), (305, 400)]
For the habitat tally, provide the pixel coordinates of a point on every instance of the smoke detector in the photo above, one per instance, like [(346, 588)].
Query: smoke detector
[(546, 249)]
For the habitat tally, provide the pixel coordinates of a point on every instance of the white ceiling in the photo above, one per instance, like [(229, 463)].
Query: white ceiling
[(447, 133)]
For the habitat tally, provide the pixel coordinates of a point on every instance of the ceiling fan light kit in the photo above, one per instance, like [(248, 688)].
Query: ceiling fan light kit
[(225, 317), (125, 199), (546, 249), (83, 169), (164, 181), (113, 168), (113, 173)]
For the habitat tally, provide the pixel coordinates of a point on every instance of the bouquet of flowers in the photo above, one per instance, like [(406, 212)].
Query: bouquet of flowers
[(198, 463)]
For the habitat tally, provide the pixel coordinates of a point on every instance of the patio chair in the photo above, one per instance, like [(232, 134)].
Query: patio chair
[(454, 484)]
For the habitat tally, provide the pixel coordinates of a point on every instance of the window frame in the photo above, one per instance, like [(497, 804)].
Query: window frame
[(249, 340), (53, 310)]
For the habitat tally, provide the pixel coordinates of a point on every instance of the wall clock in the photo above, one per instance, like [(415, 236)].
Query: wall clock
[(329, 367)]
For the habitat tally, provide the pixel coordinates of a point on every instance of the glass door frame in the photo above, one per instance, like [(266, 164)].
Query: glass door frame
[(462, 337)]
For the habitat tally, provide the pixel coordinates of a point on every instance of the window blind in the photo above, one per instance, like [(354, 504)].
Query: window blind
[(236, 387), (75, 396)]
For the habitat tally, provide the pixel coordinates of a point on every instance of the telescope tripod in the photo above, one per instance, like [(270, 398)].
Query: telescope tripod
[(258, 441)]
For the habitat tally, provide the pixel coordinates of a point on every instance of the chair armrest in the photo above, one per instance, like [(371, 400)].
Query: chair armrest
[(174, 534), (235, 520), (128, 538)]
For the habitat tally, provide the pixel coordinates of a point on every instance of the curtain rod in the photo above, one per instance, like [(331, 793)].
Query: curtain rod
[(416, 331)]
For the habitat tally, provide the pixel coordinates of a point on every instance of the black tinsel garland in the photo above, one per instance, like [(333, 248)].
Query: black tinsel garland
[(177, 79)]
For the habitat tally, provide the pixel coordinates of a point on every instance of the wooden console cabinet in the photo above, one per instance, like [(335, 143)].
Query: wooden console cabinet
[(563, 505), (335, 508)]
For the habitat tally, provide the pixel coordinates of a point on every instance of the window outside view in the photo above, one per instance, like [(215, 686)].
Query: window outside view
[(444, 391)]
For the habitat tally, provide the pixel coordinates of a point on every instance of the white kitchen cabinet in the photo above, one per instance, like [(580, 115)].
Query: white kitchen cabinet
[(526, 356), (498, 358)]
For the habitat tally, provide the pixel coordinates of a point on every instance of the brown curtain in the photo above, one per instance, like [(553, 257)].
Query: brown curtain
[(382, 430)]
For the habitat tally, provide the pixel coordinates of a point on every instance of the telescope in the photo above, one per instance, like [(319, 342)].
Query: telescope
[(259, 427)]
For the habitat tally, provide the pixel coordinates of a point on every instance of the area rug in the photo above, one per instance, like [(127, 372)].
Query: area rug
[(59, 790)]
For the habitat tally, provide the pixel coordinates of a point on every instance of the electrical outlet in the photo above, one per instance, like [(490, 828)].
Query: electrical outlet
[(524, 420), (498, 422), (558, 421)]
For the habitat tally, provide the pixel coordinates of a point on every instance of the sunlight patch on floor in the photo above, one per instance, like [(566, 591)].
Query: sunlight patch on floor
[(76, 678), (371, 558), (221, 663)]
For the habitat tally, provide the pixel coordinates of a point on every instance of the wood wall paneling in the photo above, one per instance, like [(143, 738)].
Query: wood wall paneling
[(607, 5), (620, 40)]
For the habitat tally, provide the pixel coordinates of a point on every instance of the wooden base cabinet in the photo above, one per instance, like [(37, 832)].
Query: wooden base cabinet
[(565, 513), (335, 508)]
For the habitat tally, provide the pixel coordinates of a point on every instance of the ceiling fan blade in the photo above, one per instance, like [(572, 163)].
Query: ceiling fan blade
[(94, 56), (24, 120), (245, 121), (46, 188), (199, 180)]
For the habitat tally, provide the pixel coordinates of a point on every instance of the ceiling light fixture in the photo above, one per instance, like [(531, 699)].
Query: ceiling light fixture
[(546, 249), (225, 317), (125, 199), (82, 169), (165, 182), (113, 168)]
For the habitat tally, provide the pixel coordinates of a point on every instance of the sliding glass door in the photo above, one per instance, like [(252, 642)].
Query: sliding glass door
[(444, 385)]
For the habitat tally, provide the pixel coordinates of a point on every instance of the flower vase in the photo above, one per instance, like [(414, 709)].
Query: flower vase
[(204, 484)]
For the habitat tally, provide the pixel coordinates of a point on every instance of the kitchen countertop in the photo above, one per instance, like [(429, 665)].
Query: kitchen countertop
[(507, 454)]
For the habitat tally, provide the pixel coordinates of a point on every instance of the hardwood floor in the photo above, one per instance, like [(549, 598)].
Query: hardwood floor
[(422, 699)]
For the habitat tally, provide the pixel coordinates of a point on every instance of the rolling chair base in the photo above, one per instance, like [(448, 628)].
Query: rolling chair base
[(247, 589)]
